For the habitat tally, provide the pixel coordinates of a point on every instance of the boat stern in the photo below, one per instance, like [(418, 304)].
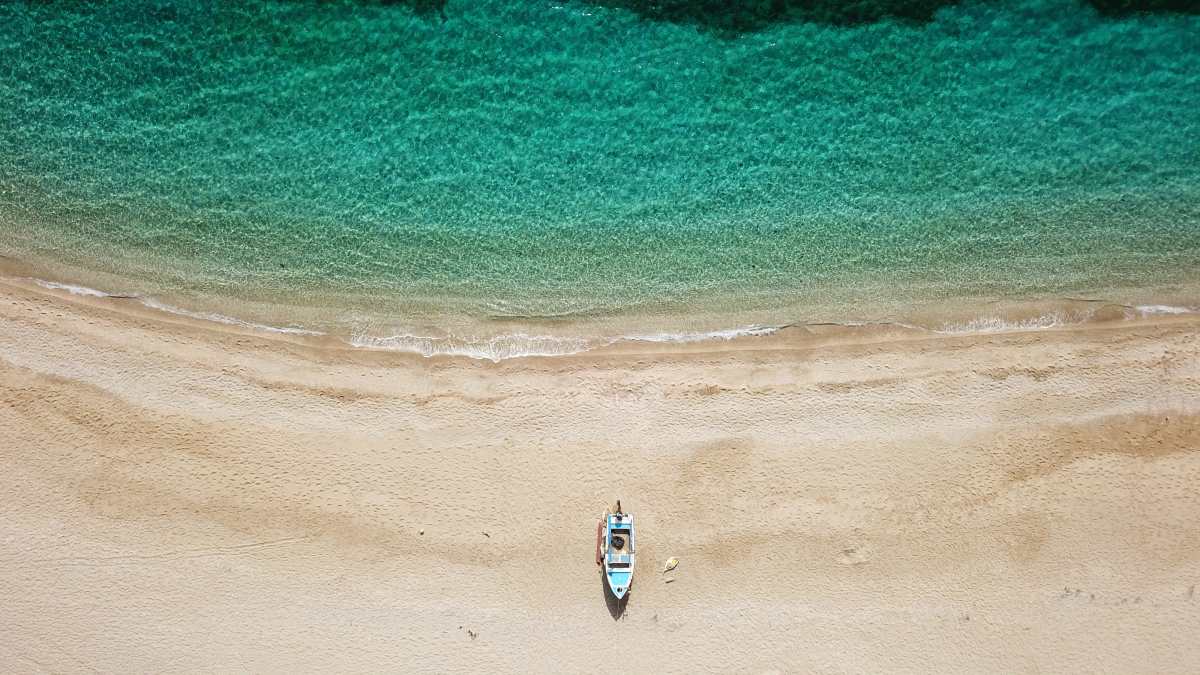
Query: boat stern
[(618, 582)]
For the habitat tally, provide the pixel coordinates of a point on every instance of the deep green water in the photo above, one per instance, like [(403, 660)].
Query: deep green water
[(531, 159)]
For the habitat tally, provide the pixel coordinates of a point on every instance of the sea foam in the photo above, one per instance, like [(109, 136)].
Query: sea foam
[(703, 336), (495, 349), (227, 320), (72, 289), (995, 324), (1151, 310), (172, 309)]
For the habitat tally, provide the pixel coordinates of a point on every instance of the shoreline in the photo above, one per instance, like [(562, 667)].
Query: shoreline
[(997, 316), (190, 495)]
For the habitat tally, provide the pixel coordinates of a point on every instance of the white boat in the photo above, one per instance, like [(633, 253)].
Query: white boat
[(615, 545)]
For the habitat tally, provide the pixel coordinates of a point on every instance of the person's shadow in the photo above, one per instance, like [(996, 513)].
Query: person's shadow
[(615, 607)]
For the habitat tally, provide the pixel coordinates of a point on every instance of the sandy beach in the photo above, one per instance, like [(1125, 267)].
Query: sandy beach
[(182, 496)]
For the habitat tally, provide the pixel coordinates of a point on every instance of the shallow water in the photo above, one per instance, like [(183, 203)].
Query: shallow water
[(581, 170)]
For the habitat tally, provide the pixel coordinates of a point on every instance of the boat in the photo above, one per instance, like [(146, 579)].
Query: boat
[(615, 544)]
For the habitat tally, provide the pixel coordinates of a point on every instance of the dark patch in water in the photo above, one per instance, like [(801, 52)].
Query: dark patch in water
[(724, 16), (753, 15), (741, 16), (421, 7), (1124, 7)]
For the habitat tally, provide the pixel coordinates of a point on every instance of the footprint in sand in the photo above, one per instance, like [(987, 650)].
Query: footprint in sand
[(855, 555)]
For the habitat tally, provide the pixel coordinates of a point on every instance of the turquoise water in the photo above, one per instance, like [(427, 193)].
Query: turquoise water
[(485, 163)]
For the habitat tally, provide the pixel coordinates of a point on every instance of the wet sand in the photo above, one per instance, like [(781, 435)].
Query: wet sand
[(188, 497)]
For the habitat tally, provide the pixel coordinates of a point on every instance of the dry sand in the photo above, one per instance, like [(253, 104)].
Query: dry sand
[(185, 497)]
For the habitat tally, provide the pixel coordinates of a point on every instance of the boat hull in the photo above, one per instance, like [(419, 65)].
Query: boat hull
[(616, 552)]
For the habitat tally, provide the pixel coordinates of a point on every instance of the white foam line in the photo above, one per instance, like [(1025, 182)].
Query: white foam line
[(73, 290), (516, 345), (228, 320), (1052, 320), (725, 334), (171, 309), (995, 324), (493, 349), (864, 324), (1150, 310)]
